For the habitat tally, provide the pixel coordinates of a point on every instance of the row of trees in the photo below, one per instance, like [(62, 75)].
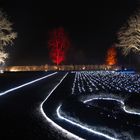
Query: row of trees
[(128, 39), (58, 42)]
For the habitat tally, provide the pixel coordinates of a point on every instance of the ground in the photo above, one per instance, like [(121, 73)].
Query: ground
[(70, 105)]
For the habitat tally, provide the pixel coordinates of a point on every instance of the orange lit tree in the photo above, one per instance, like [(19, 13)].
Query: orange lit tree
[(58, 45), (111, 58)]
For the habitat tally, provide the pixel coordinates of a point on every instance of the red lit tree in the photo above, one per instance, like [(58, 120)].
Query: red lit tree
[(111, 58), (58, 44)]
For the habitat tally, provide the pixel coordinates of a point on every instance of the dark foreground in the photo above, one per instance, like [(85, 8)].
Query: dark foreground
[(20, 116)]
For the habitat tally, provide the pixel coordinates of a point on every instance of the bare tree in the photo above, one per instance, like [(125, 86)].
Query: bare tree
[(129, 35), (3, 56), (6, 35)]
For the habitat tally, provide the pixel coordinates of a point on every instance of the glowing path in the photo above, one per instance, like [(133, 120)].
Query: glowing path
[(25, 84), (69, 134), (112, 99), (83, 127), (106, 80), (78, 77), (130, 111), (102, 98)]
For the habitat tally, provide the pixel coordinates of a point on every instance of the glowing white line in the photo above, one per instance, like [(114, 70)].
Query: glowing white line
[(120, 101), (129, 111), (61, 117), (83, 127), (50, 121), (28, 83), (103, 98)]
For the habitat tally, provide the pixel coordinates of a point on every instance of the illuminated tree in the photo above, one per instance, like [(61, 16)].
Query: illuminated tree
[(129, 35), (3, 56), (6, 36), (111, 58), (58, 45)]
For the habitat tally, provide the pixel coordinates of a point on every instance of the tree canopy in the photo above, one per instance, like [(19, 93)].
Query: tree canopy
[(129, 35), (7, 35)]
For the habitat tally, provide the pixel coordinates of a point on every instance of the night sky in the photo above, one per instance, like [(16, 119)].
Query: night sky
[(92, 29)]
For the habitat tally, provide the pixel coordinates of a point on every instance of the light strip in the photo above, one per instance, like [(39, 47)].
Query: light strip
[(120, 101), (103, 98), (23, 85), (69, 134), (130, 112), (83, 127)]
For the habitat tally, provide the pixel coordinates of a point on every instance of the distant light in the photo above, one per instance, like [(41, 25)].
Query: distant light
[(84, 68), (1, 71), (13, 69)]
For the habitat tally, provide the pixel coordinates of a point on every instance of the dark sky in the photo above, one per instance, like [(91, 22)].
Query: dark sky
[(92, 28)]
